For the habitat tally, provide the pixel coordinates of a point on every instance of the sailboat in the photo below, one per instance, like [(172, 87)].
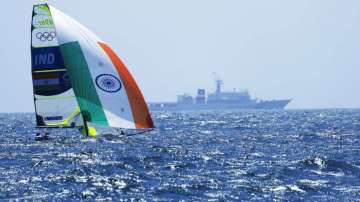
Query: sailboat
[(78, 79)]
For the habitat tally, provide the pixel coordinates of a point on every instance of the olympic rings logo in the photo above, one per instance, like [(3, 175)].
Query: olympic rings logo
[(46, 36)]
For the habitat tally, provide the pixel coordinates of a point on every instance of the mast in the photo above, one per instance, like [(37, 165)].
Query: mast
[(218, 82)]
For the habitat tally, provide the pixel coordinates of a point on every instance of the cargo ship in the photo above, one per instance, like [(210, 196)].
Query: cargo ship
[(218, 100)]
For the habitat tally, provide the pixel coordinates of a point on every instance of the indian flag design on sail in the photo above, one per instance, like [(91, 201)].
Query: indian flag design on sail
[(105, 91)]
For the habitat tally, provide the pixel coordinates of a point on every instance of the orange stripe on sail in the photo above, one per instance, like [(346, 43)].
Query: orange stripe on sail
[(138, 106)]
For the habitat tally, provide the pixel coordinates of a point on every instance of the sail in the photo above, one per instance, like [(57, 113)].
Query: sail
[(54, 98), (105, 90)]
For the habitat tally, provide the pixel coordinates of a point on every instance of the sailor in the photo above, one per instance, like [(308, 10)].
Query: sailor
[(39, 137), (86, 130)]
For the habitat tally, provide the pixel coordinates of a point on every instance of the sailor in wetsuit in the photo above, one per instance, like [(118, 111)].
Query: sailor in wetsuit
[(87, 130)]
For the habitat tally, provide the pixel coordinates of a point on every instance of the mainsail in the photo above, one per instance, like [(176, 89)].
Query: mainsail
[(104, 89), (55, 101)]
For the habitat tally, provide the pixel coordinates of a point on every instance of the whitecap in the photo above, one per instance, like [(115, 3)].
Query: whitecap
[(120, 184), (314, 183), (23, 181), (206, 158), (295, 188), (87, 193), (207, 132), (335, 174), (279, 189)]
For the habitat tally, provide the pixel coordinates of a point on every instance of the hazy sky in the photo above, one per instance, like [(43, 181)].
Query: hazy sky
[(305, 50)]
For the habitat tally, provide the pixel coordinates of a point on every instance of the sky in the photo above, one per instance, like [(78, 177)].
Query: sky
[(304, 50)]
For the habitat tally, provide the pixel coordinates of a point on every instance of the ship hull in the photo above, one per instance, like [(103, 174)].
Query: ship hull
[(266, 105)]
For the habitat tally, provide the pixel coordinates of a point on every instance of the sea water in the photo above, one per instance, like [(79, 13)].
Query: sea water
[(311, 155)]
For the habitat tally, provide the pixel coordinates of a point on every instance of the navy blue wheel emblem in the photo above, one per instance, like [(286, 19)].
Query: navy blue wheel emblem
[(108, 83)]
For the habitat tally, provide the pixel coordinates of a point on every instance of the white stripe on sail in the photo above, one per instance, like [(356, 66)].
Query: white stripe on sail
[(115, 120)]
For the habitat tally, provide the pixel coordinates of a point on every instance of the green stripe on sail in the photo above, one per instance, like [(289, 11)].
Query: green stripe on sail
[(82, 83)]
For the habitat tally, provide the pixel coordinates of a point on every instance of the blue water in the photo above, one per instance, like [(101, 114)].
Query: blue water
[(311, 155)]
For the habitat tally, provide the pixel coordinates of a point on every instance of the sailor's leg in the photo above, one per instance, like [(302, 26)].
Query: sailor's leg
[(83, 131), (46, 136), (37, 136), (120, 131), (86, 128), (40, 137)]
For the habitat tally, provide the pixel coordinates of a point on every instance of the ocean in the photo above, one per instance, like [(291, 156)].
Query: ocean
[(291, 155)]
